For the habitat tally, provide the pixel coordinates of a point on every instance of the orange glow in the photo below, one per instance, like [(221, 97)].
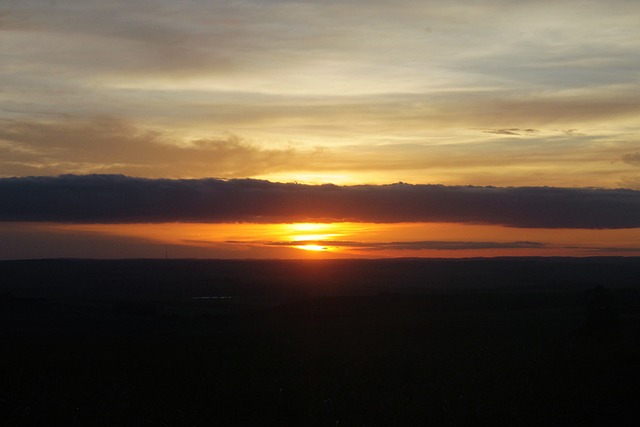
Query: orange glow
[(305, 232), (310, 226), (346, 240), (316, 248)]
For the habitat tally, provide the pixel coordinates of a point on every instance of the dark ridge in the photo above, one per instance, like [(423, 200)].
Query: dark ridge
[(158, 278), (402, 342)]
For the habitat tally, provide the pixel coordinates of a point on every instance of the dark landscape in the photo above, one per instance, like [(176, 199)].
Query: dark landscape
[(398, 342)]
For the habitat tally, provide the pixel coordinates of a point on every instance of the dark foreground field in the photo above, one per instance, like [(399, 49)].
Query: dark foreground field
[(520, 342)]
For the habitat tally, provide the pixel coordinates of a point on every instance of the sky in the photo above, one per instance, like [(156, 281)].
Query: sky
[(258, 129)]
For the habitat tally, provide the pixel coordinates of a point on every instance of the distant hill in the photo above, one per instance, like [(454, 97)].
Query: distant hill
[(157, 278)]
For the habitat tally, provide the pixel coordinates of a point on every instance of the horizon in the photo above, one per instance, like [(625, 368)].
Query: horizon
[(99, 216)]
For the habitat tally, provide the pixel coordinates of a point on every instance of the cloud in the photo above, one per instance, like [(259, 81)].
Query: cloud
[(511, 131), (117, 198), (30, 241), (631, 182), (571, 132), (275, 72), (111, 145), (108, 145), (610, 249), (503, 131), (411, 245), (632, 158)]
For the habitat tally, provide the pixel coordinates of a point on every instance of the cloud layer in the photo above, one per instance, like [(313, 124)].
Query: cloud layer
[(118, 199), (510, 156), (486, 93)]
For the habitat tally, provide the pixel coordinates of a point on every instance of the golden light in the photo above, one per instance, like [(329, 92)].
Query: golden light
[(306, 237), (246, 240), (311, 232), (310, 226), (315, 248)]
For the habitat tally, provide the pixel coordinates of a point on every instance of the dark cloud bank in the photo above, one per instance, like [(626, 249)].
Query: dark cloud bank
[(116, 198)]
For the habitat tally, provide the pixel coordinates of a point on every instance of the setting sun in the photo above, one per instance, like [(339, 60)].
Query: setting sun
[(315, 248), (293, 240)]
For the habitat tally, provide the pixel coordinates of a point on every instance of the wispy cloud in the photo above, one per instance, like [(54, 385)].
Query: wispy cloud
[(610, 249), (112, 198), (286, 77), (511, 131), (632, 158), (110, 145)]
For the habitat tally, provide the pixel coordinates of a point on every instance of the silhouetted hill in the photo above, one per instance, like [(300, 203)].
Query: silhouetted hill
[(407, 342), (161, 279)]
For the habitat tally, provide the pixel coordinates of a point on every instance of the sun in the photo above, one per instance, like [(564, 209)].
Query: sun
[(314, 248), (309, 236)]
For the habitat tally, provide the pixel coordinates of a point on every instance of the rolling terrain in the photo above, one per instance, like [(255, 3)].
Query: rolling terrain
[(404, 342)]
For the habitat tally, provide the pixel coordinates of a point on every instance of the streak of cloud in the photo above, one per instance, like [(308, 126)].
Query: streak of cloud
[(511, 131), (632, 158), (116, 199), (411, 245), (309, 74), (111, 145)]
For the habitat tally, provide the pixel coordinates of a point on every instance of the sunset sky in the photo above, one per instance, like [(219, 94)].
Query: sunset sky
[(286, 129)]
